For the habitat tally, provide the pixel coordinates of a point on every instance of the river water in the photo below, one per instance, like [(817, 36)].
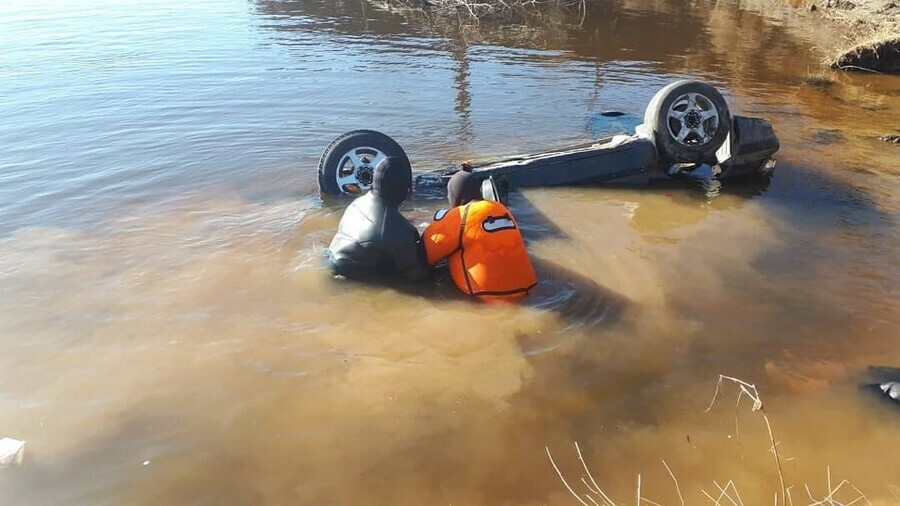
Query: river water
[(168, 334)]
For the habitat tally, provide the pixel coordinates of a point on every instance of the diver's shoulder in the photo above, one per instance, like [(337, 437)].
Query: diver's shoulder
[(487, 206)]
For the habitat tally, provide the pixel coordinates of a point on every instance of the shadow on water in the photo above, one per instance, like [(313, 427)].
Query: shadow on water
[(535, 225), (578, 301)]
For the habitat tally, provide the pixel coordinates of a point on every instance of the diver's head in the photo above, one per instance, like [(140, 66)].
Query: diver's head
[(392, 180), (463, 187)]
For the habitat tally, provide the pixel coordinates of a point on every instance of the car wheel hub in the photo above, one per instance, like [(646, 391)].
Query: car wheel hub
[(692, 119), (356, 170), (365, 174)]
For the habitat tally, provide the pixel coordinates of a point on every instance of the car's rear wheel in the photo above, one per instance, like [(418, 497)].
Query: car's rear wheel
[(689, 121), (348, 164)]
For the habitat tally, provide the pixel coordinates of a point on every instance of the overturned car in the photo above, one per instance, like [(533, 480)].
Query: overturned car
[(686, 125)]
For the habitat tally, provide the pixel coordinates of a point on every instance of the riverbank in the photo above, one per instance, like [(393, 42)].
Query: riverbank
[(868, 31), (871, 33)]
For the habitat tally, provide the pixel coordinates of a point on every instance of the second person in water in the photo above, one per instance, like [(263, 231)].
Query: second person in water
[(482, 243)]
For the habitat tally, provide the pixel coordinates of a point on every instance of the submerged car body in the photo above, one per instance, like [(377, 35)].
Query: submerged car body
[(687, 125), (633, 160)]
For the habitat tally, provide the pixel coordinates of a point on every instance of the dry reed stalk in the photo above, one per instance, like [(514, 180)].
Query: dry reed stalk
[(830, 500), (727, 492), (677, 488), (750, 391)]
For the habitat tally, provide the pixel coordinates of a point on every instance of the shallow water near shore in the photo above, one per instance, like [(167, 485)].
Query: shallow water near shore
[(168, 334)]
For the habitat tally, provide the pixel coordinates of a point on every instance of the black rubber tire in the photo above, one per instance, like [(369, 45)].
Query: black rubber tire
[(331, 157), (656, 117)]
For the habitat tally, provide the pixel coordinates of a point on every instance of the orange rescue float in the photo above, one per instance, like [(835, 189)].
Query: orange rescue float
[(487, 255)]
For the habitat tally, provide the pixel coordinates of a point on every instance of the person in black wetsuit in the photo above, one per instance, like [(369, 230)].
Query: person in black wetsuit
[(374, 241)]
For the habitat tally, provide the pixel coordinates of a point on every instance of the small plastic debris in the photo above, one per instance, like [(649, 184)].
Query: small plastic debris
[(146, 462), (12, 452)]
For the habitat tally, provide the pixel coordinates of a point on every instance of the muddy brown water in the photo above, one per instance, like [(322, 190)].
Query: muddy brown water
[(168, 334)]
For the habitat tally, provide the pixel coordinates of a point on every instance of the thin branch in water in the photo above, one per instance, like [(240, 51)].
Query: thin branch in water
[(863, 496), (737, 427), (559, 473), (851, 503), (639, 491), (715, 395), (724, 491), (854, 67), (733, 496), (588, 486), (716, 503), (751, 392), (809, 493), (677, 488), (599, 491), (737, 494), (830, 499)]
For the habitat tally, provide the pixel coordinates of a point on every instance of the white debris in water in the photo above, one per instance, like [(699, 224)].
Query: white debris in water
[(12, 451), (891, 389), (146, 462)]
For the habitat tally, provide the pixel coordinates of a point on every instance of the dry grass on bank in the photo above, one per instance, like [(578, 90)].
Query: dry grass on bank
[(871, 34), (478, 9), (879, 53), (871, 28), (842, 494)]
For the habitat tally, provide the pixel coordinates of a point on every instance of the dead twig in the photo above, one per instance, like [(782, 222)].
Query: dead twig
[(599, 491), (830, 498), (559, 473), (750, 391), (677, 488), (729, 492), (639, 491), (724, 492)]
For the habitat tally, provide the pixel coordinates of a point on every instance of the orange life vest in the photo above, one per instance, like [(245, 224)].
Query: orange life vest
[(487, 256)]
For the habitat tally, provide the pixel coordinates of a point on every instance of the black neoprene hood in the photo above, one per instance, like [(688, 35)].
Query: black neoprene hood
[(392, 181), (463, 187)]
